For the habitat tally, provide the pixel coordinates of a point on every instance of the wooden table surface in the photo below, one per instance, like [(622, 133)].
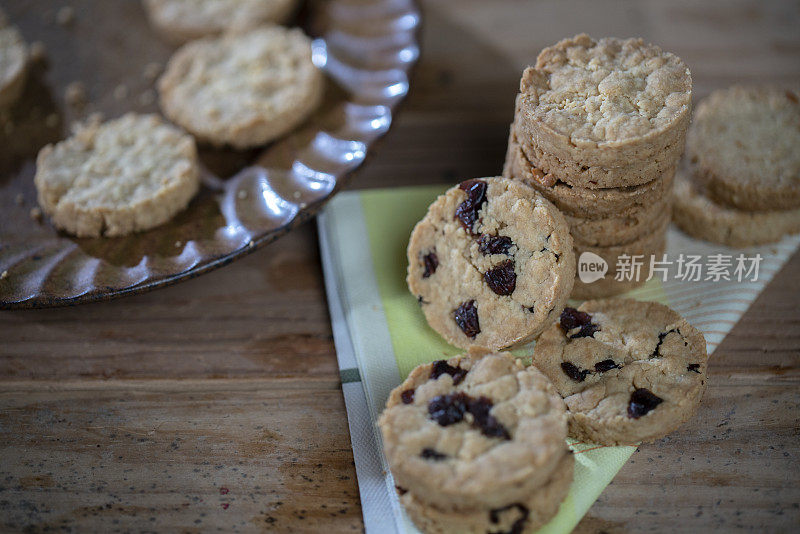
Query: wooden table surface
[(216, 403)]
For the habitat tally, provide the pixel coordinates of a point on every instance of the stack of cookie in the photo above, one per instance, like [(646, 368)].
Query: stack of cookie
[(477, 444), (599, 128), (742, 187)]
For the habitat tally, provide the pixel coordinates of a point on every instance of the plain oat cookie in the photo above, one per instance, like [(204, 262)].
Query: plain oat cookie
[(605, 103), (744, 147), (13, 62), (491, 263), (112, 179), (629, 371), (242, 89), (184, 20), (475, 432), (701, 217)]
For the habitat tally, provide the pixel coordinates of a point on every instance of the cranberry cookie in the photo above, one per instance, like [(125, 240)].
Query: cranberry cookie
[(520, 517), (629, 371), (491, 264), (476, 432)]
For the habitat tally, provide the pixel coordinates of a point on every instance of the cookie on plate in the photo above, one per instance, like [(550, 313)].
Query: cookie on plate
[(185, 20), (479, 431), (242, 90), (13, 63), (491, 264), (582, 201), (743, 147), (701, 217), (629, 371), (115, 178), (520, 517), (606, 103)]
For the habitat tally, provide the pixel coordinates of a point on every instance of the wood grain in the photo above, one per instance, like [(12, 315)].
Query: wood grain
[(224, 390)]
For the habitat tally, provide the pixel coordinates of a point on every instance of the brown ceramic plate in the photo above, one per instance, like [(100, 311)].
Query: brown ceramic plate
[(366, 48)]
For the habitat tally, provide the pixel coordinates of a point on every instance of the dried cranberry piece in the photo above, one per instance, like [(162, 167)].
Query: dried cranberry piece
[(574, 372), (642, 401), (441, 367), (466, 317), (494, 244), (432, 454), (695, 367), (407, 396), (605, 365), (467, 211), (502, 279), (487, 423), (431, 262), (448, 409), (516, 526), (572, 318)]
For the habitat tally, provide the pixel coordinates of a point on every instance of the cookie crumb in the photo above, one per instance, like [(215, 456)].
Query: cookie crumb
[(65, 16), (296, 194), (38, 52), (75, 95), (121, 92), (151, 71), (251, 243), (241, 194), (19, 199), (178, 244), (36, 214), (3, 275)]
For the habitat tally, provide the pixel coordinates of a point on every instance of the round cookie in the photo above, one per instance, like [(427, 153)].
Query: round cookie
[(605, 103), (744, 145), (519, 517), (629, 371), (654, 244), (185, 20), (581, 201), (491, 263), (242, 89), (701, 217), (13, 63), (593, 177), (478, 431), (626, 228), (112, 179)]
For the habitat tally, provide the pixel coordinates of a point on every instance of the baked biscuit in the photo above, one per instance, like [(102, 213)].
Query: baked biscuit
[(243, 90), (744, 148), (701, 217), (476, 432), (491, 263), (605, 103), (126, 175), (185, 20), (629, 371)]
